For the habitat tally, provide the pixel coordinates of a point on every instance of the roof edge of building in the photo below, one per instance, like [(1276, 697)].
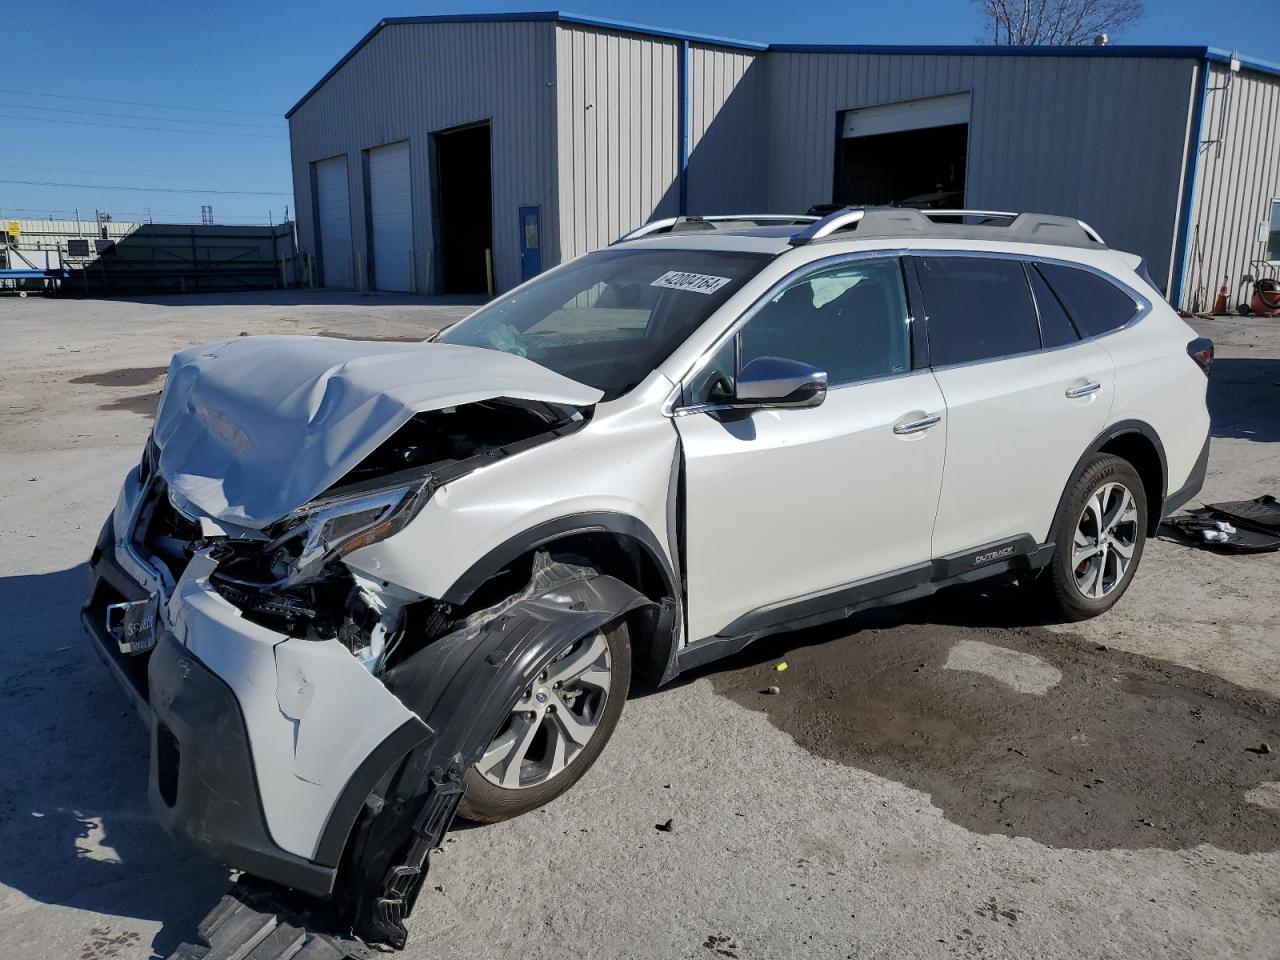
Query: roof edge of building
[(1203, 53)]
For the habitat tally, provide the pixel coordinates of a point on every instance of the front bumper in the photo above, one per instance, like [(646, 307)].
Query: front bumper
[(265, 791)]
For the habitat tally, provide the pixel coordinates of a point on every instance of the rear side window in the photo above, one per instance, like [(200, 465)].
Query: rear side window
[(1096, 305), (978, 308), (1056, 328)]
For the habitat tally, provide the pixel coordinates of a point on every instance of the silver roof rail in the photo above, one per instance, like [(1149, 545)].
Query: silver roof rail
[(691, 224), (885, 222)]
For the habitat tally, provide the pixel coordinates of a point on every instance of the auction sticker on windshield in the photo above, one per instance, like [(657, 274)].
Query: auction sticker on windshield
[(692, 282)]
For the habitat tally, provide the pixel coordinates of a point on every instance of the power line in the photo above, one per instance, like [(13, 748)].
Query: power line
[(127, 126), (127, 173), (139, 116), (106, 186), (138, 103)]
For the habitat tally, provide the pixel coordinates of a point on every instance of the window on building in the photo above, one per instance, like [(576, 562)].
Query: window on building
[(1056, 328), (979, 308), (1095, 304), (1273, 232)]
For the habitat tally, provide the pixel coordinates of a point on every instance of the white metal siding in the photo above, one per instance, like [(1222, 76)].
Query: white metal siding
[(411, 80), (390, 216), (1239, 176), (617, 121), (1100, 138), (333, 207), (728, 130)]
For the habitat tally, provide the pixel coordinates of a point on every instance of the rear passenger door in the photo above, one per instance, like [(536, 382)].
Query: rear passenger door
[(1025, 396)]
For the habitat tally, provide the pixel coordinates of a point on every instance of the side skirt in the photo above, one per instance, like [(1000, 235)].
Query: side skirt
[(900, 586)]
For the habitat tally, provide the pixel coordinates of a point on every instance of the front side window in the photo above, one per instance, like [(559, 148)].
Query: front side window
[(979, 308), (609, 318), (850, 321), (1096, 305)]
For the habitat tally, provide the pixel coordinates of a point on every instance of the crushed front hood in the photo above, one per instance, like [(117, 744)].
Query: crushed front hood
[(252, 428)]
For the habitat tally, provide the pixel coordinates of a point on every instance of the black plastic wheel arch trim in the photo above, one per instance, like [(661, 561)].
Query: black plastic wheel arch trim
[(1119, 429), (384, 757)]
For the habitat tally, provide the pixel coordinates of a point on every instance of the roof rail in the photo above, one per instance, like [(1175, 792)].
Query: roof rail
[(693, 224), (910, 222)]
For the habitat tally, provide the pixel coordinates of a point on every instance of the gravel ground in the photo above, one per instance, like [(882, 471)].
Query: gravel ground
[(948, 778)]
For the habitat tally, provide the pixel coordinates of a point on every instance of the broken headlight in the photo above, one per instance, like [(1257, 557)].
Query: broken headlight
[(306, 541)]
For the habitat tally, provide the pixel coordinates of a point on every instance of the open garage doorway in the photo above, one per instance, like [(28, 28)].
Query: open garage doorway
[(910, 154), (464, 209)]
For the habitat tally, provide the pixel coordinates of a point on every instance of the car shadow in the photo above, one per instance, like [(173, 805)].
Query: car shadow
[(75, 827), (1244, 398)]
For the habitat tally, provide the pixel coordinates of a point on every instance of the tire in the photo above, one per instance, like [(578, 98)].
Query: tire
[(1077, 589), (486, 801), (1243, 309)]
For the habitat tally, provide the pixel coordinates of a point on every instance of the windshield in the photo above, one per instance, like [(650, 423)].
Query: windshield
[(609, 318)]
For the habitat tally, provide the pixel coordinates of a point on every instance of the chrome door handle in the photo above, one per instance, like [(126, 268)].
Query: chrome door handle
[(915, 426), (1075, 393)]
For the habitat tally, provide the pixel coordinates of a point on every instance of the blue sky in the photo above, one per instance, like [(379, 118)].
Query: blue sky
[(82, 78)]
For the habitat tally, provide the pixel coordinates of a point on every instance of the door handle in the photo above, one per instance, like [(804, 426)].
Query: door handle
[(1075, 393), (915, 426)]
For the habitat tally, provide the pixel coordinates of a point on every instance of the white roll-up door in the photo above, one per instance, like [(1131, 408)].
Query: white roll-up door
[(333, 208), (907, 115), (391, 216)]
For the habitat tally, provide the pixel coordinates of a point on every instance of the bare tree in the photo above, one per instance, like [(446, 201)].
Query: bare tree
[(1063, 22)]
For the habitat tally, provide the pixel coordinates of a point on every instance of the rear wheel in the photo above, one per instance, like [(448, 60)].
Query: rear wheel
[(1100, 533), (556, 730)]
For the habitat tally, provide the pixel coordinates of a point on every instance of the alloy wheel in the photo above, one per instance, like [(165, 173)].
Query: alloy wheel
[(1105, 537), (553, 720)]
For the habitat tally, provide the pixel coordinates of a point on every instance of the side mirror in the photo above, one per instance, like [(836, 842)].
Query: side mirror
[(779, 382)]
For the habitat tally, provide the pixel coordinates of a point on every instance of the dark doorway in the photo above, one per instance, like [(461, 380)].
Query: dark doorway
[(464, 205), (912, 168)]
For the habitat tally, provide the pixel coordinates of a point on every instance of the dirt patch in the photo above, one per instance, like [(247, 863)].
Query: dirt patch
[(387, 338), (1026, 732), (124, 377), (143, 403)]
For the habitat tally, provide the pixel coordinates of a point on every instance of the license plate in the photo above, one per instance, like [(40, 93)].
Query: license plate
[(133, 624)]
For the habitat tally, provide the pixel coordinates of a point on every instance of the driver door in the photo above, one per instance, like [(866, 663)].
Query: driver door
[(786, 504)]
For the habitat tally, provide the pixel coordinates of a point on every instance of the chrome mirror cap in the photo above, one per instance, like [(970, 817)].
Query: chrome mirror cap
[(779, 382)]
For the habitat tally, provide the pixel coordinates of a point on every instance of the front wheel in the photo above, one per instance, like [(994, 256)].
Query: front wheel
[(1100, 533), (556, 730)]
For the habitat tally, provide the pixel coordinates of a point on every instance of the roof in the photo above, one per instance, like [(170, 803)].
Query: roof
[(1210, 54)]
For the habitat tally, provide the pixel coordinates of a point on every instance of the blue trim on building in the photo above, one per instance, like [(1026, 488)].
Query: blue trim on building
[(1189, 187), (683, 93), (1189, 52)]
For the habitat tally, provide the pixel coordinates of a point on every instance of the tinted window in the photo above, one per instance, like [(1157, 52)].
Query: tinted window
[(978, 308), (850, 321), (1055, 326), (1096, 305), (607, 319)]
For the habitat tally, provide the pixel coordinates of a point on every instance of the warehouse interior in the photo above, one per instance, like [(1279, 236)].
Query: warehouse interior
[(464, 154)]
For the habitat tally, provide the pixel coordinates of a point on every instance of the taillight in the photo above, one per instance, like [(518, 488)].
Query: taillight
[(1201, 351)]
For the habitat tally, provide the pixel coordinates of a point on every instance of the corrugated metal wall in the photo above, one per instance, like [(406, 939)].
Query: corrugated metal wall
[(1239, 177), (728, 123), (410, 80), (617, 120), (1102, 139)]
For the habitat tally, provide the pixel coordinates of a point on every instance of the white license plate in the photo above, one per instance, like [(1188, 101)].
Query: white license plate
[(134, 624)]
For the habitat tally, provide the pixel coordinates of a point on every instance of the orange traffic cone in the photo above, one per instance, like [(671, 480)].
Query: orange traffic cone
[(1220, 304)]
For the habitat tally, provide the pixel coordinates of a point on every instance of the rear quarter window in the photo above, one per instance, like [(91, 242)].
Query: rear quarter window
[(1095, 304), (978, 308)]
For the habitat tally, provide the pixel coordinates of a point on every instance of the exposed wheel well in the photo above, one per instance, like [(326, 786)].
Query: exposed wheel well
[(1142, 453), (618, 555)]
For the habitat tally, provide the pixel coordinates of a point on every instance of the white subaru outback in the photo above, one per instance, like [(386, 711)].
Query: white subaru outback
[(356, 588)]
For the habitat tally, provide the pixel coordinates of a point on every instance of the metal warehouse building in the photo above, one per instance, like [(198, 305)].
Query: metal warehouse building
[(442, 151)]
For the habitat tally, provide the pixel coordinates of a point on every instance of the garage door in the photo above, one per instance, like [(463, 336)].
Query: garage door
[(333, 210), (390, 216)]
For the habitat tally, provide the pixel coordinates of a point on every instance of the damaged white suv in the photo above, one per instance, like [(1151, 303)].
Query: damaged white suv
[(358, 587)]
